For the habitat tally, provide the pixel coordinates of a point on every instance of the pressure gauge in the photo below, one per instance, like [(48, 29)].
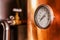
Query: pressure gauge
[(43, 16)]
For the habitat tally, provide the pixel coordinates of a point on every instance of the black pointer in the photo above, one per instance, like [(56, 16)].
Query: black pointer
[(42, 17)]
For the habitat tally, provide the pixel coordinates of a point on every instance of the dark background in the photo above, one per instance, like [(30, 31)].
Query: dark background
[(16, 30)]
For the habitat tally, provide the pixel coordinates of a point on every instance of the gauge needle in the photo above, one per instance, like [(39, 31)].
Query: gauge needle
[(42, 17)]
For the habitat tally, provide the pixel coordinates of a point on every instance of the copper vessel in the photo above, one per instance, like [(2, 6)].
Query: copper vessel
[(50, 33)]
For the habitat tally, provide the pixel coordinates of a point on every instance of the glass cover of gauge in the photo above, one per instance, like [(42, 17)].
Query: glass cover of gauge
[(42, 16)]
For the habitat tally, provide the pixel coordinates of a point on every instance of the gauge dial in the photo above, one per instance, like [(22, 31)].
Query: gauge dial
[(42, 16)]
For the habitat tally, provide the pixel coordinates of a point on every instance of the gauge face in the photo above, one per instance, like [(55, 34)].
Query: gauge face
[(42, 17)]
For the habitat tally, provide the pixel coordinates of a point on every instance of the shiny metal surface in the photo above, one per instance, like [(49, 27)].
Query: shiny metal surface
[(6, 30), (51, 33)]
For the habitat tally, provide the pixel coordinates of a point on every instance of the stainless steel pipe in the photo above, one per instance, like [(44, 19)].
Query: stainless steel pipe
[(6, 30), (3, 16)]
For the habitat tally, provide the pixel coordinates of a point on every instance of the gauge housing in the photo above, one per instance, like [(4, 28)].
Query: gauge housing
[(43, 16)]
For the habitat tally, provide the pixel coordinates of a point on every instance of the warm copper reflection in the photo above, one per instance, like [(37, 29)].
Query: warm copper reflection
[(51, 33)]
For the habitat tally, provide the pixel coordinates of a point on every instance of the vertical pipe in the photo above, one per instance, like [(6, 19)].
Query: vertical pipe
[(6, 31), (3, 16)]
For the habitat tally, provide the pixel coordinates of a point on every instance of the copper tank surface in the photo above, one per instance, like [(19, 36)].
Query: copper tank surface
[(53, 31)]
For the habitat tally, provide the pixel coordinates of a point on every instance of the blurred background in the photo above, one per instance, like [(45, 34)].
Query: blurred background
[(18, 32)]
